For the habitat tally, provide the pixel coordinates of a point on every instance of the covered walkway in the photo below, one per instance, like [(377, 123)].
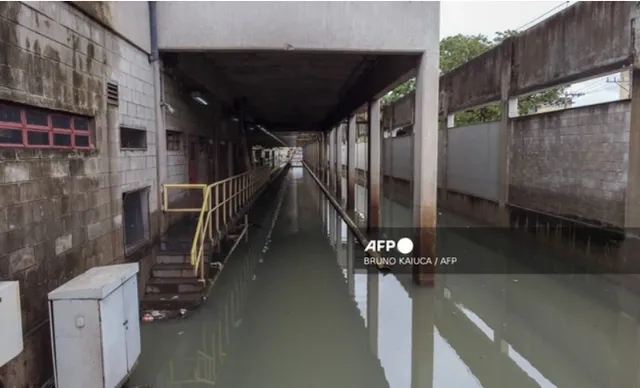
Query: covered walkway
[(293, 308)]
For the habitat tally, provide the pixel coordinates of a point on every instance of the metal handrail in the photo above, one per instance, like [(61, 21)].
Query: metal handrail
[(220, 204)]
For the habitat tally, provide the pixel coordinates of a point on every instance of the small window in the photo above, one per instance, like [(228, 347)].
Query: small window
[(61, 121), (81, 124), (37, 118), (135, 206), (134, 139), (62, 139), (10, 136), (38, 138), (10, 114), (82, 141), (22, 126), (174, 141)]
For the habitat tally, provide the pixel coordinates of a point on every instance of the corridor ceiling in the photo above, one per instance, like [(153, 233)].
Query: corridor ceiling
[(292, 91)]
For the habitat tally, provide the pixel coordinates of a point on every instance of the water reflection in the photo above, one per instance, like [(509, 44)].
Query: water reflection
[(305, 314)]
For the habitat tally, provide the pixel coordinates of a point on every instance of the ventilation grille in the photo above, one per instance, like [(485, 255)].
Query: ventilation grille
[(112, 93)]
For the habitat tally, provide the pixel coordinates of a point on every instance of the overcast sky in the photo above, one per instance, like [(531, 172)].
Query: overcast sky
[(487, 17)]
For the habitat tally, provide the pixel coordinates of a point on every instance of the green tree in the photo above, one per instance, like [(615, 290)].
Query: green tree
[(458, 49)]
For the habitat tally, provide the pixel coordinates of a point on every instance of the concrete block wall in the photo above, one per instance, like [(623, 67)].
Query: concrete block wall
[(57, 213), (573, 162), (61, 210)]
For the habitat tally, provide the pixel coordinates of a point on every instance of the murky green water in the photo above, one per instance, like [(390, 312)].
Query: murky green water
[(299, 315)]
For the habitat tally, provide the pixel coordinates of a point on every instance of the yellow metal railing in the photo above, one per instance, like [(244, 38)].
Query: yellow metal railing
[(220, 204)]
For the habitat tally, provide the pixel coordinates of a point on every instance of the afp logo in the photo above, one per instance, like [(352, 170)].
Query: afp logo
[(404, 245)]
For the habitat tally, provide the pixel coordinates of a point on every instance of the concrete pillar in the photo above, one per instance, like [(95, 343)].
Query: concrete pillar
[(425, 164), (504, 144), (339, 162), (632, 198), (331, 150), (321, 157), (422, 344), (161, 142), (373, 179), (352, 131), (373, 287)]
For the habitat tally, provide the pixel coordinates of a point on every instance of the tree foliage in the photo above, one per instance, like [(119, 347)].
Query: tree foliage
[(459, 49)]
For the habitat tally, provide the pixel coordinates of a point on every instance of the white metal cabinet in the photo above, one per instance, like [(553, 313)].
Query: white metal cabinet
[(10, 321), (95, 327)]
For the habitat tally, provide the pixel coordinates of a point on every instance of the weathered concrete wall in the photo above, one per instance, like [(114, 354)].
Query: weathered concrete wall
[(586, 39), (472, 160), (573, 163), (352, 26), (58, 213), (129, 19), (61, 210)]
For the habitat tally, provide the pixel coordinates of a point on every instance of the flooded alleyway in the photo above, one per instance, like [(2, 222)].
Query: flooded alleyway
[(293, 309)]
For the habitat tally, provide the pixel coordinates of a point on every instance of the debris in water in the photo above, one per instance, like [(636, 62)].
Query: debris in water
[(180, 333), (254, 277), (183, 311), (260, 260), (515, 280), (156, 313), (238, 322), (174, 297), (147, 318)]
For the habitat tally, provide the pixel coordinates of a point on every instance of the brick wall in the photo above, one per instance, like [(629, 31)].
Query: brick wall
[(573, 162)]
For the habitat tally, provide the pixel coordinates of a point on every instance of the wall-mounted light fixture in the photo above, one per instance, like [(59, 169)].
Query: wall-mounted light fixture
[(199, 98), (168, 107)]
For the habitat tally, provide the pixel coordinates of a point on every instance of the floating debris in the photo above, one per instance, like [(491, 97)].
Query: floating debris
[(147, 318)]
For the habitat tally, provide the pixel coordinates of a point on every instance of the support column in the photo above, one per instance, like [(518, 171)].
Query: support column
[(331, 149), (632, 197), (351, 164), (373, 300), (422, 344), (339, 162), (321, 157), (425, 164), (373, 178), (509, 108)]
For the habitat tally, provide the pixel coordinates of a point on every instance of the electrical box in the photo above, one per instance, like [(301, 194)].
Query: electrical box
[(10, 321), (95, 327)]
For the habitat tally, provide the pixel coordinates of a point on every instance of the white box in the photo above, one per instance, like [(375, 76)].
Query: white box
[(10, 321), (95, 327)]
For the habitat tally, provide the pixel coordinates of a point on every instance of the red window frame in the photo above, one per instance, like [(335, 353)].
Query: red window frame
[(49, 129)]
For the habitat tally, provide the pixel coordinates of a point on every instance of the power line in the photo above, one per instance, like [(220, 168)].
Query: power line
[(566, 3)]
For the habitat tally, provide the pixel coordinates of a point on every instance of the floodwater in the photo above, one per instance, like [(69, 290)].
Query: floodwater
[(292, 310)]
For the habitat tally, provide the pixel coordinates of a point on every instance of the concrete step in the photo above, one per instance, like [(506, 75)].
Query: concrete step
[(174, 286), (177, 246), (179, 270), (171, 302), (173, 258)]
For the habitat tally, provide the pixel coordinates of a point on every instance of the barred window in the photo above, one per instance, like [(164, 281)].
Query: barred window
[(22, 126), (174, 140)]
